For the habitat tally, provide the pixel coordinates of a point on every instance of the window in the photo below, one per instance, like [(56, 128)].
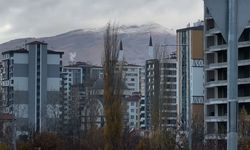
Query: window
[(131, 84), (132, 104), (38, 46), (132, 79), (132, 110), (132, 117)]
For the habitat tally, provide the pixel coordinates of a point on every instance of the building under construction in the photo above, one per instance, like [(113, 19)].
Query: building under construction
[(216, 80)]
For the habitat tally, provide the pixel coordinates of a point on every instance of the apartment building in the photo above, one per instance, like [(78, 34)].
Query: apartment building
[(216, 79), (142, 112), (78, 80), (73, 92), (152, 87), (190, 80), (31, 86), (128, 108), (168, 90), (133, 107), (132, 73), (133, 77)]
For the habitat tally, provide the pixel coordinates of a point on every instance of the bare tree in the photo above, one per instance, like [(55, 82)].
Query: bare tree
[(244, 130), (54, 111), (92, 111), (112, 90), (198, 132)]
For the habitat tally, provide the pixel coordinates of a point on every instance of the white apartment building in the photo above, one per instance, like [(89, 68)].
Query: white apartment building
[(31, 86), (133, 108)]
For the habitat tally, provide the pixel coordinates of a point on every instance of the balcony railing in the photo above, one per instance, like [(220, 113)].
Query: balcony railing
[(216, 118)]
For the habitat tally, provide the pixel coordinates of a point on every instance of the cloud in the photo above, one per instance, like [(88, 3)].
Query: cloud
[(5, 28), (50, 17)]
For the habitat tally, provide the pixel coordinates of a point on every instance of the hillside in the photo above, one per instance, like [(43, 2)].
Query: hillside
[(87, 44)]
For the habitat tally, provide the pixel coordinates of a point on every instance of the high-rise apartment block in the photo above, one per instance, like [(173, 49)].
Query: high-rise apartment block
[(133, 76), (31, 86), (216, 79), (160, 91), (133, 106), (77, 84), (152, 89), (168, 90), (190, 80)]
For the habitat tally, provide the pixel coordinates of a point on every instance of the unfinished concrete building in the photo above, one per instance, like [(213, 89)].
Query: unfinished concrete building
[(216, 79)]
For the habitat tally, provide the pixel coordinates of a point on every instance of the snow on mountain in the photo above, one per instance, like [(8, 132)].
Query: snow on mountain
[(88, 43)]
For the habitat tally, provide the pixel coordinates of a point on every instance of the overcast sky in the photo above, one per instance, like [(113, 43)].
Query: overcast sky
[(36, 18)]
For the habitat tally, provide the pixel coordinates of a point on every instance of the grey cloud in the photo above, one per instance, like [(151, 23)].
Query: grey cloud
[(49, 17)]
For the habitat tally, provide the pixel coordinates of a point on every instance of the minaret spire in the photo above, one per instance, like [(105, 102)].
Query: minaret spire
[(121, 55), (150, 48), (150, 41), (121, 47)]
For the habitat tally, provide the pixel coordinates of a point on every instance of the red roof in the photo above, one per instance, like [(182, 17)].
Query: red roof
[(6, 116)]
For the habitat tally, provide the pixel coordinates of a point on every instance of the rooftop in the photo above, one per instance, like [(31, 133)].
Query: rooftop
[(36, 42)]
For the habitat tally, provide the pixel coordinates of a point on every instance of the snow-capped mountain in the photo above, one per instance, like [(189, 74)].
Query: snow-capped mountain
[(87, 44)]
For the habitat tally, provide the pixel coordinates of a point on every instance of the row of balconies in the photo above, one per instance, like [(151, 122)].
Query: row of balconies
[(221, 91), (218, 65), (212, 101), (223, 47), (214, 38), (221, 74), (218, 112), (224, 82), (219, 59), (216, 130)]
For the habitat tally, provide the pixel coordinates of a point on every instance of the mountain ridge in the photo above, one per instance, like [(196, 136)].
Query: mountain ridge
[(88, 43)]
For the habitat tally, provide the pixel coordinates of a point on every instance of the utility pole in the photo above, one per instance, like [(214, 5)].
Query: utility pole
[(232, 76)]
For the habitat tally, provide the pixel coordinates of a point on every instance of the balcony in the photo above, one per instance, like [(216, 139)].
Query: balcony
[(224, 82), (244, 99), (216, 119), (216, 48), (142, 105), (142, 125), (142, 119), (244, 81), (244, 62), (213, 101), (216, 83), (142, 112), (213, 66), (243, 44), (215, 136), (212, 31)]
